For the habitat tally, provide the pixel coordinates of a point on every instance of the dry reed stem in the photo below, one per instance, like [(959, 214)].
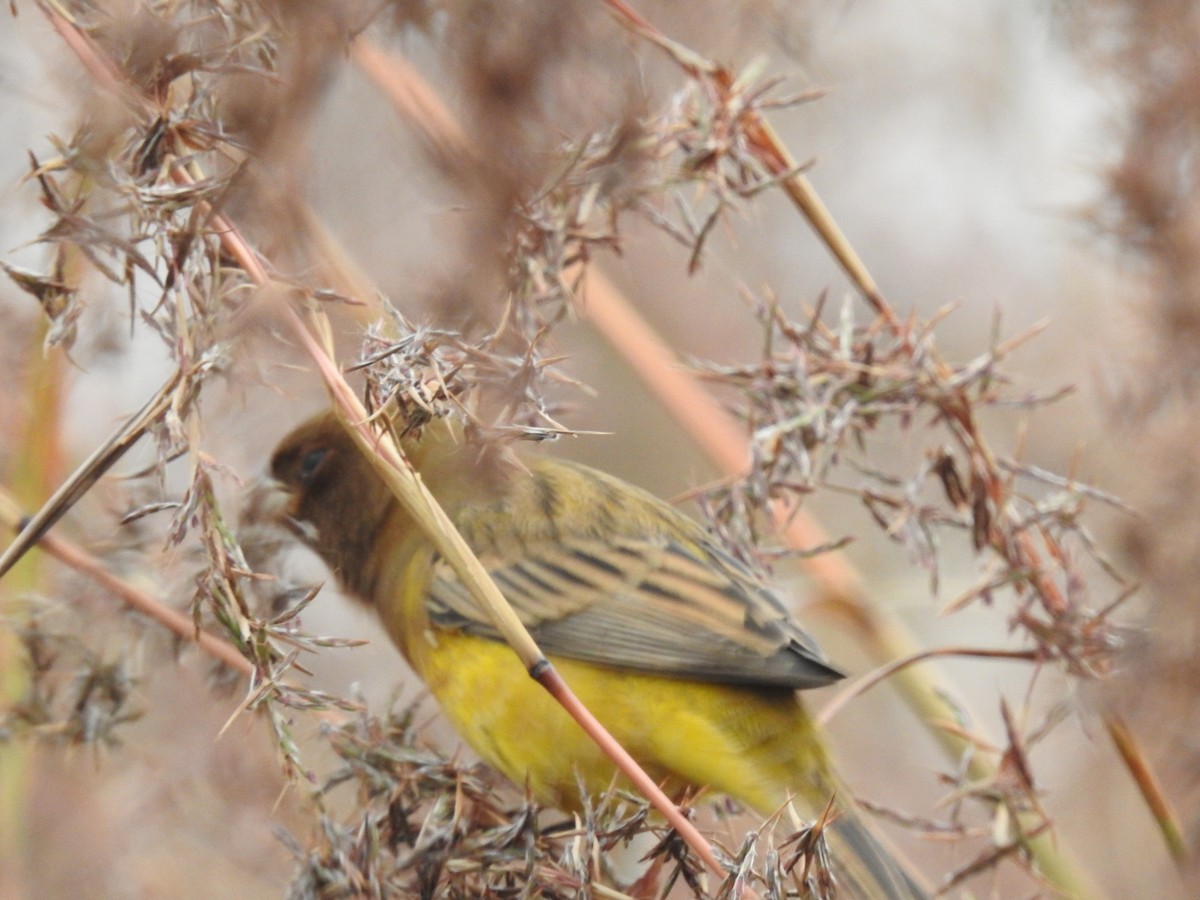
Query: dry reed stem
[(777, 159), (390, 464), (88, 472), (179, 624), (1148, 784)]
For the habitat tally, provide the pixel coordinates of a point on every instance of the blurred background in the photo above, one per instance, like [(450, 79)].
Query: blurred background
[(1018, 162)]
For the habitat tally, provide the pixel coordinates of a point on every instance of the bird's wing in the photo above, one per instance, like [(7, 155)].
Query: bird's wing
[(647, 604)]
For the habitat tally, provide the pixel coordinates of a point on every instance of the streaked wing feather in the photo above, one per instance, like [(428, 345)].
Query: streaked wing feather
[(650, 605)]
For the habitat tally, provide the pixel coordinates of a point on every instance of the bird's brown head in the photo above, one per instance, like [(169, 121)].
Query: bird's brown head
[(328, 494), (324, 489)]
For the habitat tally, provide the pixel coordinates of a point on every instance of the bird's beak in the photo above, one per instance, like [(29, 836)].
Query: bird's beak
[(267, 530), (270, 505), (268, 502)]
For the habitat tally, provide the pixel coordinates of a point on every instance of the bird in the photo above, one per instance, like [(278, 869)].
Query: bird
[(687, 655)]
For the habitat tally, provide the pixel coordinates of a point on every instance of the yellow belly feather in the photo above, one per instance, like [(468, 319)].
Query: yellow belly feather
[(753, 745)]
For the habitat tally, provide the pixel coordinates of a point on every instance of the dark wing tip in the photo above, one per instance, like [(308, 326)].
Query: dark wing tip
[(812, 671)]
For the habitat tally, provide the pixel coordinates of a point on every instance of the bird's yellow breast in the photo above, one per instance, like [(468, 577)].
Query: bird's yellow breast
[(749, 744)]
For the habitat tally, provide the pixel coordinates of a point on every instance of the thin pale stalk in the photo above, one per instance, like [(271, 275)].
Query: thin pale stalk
[(643, 783), (773, 153), (404, 482), (1148, 783), (32, 529), (172, 619)]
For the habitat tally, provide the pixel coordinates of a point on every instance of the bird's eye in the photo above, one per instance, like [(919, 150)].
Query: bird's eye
[(310, 464)]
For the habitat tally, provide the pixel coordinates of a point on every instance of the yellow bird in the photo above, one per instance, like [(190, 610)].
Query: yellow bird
[(686, 655)]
